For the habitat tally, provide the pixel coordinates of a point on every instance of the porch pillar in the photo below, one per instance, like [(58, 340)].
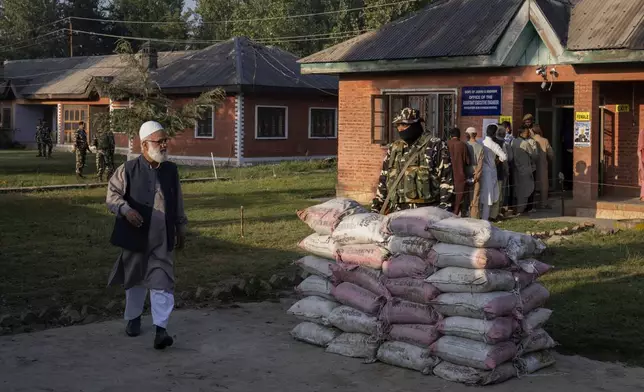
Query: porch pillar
[(586, 159), (517, 106)]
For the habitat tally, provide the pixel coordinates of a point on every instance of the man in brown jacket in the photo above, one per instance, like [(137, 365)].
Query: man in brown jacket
[(460, 161)]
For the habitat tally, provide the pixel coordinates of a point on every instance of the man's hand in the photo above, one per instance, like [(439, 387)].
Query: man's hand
[(134, 218), (181, 240)]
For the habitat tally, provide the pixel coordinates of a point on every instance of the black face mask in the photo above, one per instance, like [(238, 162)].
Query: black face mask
[(412, 133)]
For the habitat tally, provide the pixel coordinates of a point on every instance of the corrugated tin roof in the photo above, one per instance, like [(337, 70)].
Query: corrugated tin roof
[(241, 61), (558, 14), (214, 66), (603, 24), (443, 29)]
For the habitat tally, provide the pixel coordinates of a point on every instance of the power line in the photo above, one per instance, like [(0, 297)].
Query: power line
[(33, 38), (36, 29), (253, 19)]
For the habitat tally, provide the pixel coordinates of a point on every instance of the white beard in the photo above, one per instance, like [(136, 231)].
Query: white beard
[(158, 156)]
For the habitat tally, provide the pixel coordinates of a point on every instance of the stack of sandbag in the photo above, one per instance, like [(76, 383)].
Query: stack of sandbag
[(490, 303)]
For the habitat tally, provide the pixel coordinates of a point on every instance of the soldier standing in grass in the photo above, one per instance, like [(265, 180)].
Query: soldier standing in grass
[(417, 169), (47, 142), (105, 146), (39, 132), (145, 195), (80, 148)]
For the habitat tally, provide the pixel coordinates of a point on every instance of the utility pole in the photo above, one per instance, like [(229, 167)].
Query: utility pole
[(71, 44)]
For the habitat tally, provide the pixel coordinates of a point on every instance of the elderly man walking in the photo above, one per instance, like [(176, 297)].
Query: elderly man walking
[(145, 195)]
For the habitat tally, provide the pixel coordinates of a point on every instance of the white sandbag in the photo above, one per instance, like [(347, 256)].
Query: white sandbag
[(537, 341), (414, 222), (316, 266), (355, 345), (315, 286), (323, 218), (471, 353), (313, 309), (534, 362), (407, 356), (535, 320), (521, 246), (487, 331), (449, 255), (533, 296), (348, 319), (483, 306), (360, 229), (415, 246), (319, 245), (476, 233), (470, 376), (314, 334), (466, 280)]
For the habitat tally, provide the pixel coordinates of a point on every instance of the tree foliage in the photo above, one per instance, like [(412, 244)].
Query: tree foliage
[(148, 102)]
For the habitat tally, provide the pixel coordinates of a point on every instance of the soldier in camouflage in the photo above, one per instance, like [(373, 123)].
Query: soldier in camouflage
[(39, 131), (47, 142), (80, 148), (428, 177), (105, 146)]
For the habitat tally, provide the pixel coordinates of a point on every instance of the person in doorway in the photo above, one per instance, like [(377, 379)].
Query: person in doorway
[(546, 155), (528, 123), (47, 142), (509, 134), (501, 175), (416, 171), (81, 147), (459, 155), (524, 158), (145, 195), (39, 143), (105, 146), (475, 150), (489, 177), (640, 162)]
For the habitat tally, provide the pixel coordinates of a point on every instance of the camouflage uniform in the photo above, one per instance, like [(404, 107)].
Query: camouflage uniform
[(81, 147), (39, 129), (428, 180), (105, 146), (47, 142)]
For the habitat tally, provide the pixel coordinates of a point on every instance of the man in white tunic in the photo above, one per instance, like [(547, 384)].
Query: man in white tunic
[(145, 195), (490, 192)]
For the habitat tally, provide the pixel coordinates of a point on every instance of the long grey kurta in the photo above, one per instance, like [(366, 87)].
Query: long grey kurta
[(525, 158), (154, 268)]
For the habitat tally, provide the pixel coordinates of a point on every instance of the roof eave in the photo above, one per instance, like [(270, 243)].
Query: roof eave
[(399, 65), (601, 56)]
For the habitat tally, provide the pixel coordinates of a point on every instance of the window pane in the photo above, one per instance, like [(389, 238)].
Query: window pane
[(271, 122), (323, 123), (66, 115), (205, 125)]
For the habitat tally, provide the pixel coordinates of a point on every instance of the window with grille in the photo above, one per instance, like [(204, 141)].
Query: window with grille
[(205, 127), (438, 109), (323, 123), (271, 122), (6, 118), (72, 116)]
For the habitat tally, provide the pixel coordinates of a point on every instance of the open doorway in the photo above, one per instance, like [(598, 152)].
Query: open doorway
[(565, 121)]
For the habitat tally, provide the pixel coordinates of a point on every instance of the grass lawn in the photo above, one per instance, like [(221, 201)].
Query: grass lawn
[(523, 225), (20, 168), (54, 248)]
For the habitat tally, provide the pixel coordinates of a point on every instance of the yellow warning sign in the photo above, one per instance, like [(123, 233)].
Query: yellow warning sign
[(623, 108), (503, 119), (582, 116)]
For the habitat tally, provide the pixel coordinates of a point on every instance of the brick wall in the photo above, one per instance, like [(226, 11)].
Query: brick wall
[(298, 142), (586, 159)]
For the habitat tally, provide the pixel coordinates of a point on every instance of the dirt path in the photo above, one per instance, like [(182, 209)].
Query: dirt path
[(242, 350)]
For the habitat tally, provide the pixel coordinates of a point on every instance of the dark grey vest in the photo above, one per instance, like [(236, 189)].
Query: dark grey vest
[(139, 195)]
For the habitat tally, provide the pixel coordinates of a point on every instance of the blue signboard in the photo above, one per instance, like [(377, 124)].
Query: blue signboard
[(481, 101)]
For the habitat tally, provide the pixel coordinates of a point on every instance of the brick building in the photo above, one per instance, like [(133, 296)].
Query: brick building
[(271, 112), (575, 65)]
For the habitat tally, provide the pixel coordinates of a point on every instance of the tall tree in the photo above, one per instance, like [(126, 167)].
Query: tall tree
[(29, 29), (87, 44)]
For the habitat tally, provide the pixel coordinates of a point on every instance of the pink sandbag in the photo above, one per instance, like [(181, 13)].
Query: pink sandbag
[(367, 255), (411, 289), (534, 296), (484, 306), (448, 255), (500, 329), (406, 266), (323, 218), (421, 335), (364, 277), (414, 222), (404, 312), (358, 298)]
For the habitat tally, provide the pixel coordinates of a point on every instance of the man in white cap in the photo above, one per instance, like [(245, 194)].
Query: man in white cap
[(145, 195)]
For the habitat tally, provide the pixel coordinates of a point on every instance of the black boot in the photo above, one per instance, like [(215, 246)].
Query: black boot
[(162, 339), (133, 327)]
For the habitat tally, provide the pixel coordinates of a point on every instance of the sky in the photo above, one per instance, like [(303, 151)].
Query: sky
[(189, 4)]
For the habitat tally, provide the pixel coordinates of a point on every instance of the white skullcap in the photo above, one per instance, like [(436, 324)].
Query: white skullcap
[(471, 130), (148, 128)]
